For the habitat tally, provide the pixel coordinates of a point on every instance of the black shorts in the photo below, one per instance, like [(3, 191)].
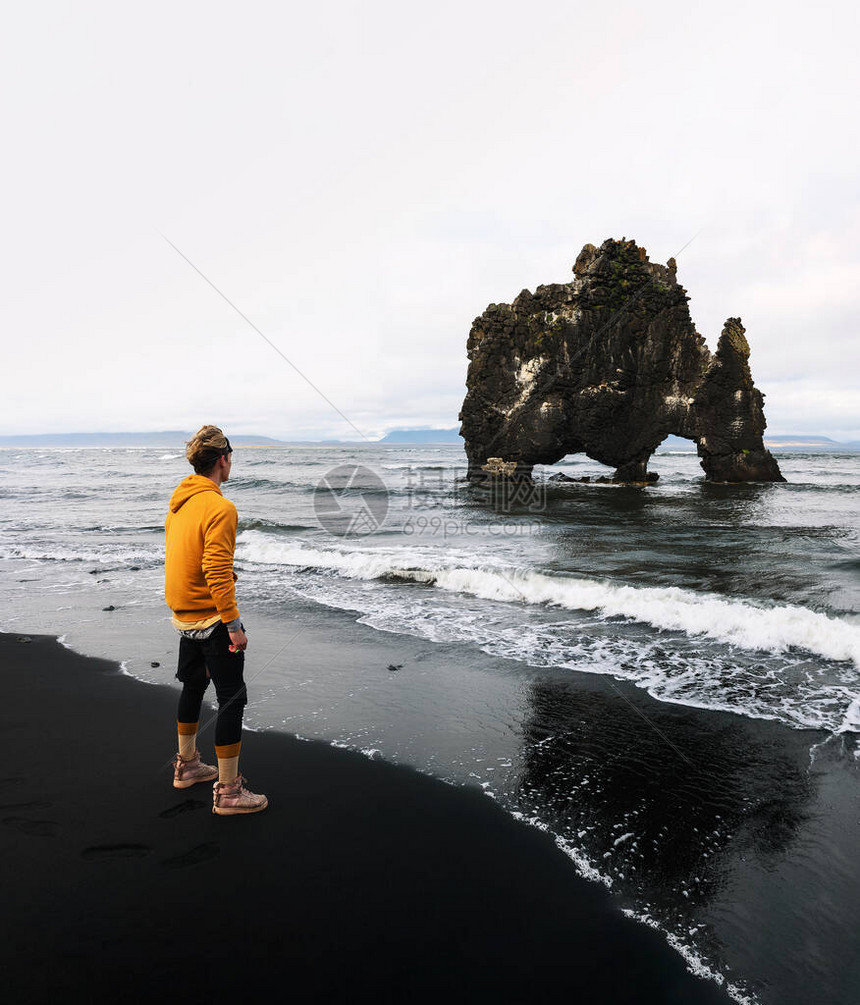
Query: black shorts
[(226, 669)]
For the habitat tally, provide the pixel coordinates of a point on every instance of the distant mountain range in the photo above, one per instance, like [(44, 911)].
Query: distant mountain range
[(174, 439), (798, 441), (423, 436)]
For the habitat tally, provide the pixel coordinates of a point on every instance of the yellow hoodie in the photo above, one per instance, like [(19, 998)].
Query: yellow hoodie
[(200, 532)]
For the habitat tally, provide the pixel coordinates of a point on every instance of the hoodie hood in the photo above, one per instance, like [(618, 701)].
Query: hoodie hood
[(191, 486)]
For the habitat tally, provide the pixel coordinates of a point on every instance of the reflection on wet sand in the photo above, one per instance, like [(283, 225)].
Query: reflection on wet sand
[(663, 807)]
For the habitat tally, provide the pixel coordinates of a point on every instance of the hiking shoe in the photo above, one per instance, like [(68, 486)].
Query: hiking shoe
[(192, 771), (233, 797)]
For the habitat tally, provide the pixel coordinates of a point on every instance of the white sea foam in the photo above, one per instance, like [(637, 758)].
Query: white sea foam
[(851, 722), (740, 623), (724, 655), (693, 960), (578, 857), (64, 553)]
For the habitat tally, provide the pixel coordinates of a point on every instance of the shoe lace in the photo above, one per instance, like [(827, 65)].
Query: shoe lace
[(234, 788), (184, 765)]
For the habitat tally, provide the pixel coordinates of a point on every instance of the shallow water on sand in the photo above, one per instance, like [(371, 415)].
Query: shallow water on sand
[(665, 678)]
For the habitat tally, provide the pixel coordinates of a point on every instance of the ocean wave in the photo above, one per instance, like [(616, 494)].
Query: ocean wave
[(846, 565), (842, 488), (61, 553), (255, 546), (270, 484), (741, 623), (424, 467), (155, 528), (272, 526), (391, 487)]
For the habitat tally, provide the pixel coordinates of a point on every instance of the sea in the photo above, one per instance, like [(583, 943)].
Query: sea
[(664, 678)]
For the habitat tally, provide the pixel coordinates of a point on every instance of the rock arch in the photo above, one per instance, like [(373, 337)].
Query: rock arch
[(609, 365)]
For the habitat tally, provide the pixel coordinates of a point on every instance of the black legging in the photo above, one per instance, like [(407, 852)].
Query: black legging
[(225, 669)]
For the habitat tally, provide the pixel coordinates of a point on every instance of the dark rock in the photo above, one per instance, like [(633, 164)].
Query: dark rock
[(609, 365), (110, 607)]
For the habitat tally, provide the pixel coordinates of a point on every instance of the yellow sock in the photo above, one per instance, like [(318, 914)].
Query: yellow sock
[(228, 762), (187, 739)]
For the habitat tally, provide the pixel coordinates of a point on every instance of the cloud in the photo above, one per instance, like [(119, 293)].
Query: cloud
[(362, 181)]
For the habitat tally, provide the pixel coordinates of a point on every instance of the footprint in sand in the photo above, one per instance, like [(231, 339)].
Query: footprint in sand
[(186, 806), (194, 856), (103, 851), (37, 828)]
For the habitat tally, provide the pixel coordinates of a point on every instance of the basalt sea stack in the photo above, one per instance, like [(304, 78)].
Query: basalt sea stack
[(609, 365)]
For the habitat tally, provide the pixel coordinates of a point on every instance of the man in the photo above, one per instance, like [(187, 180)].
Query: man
[(200, 532)]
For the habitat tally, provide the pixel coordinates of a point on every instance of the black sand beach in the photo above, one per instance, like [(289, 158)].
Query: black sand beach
[(361, 880)]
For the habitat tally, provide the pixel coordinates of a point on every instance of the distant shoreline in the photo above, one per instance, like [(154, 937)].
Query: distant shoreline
[(120, 441), (175, 439)]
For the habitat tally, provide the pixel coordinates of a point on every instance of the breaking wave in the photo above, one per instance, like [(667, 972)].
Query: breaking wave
[(742, 623)]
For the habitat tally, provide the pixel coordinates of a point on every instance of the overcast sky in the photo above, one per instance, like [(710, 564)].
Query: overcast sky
[(362, 178)]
